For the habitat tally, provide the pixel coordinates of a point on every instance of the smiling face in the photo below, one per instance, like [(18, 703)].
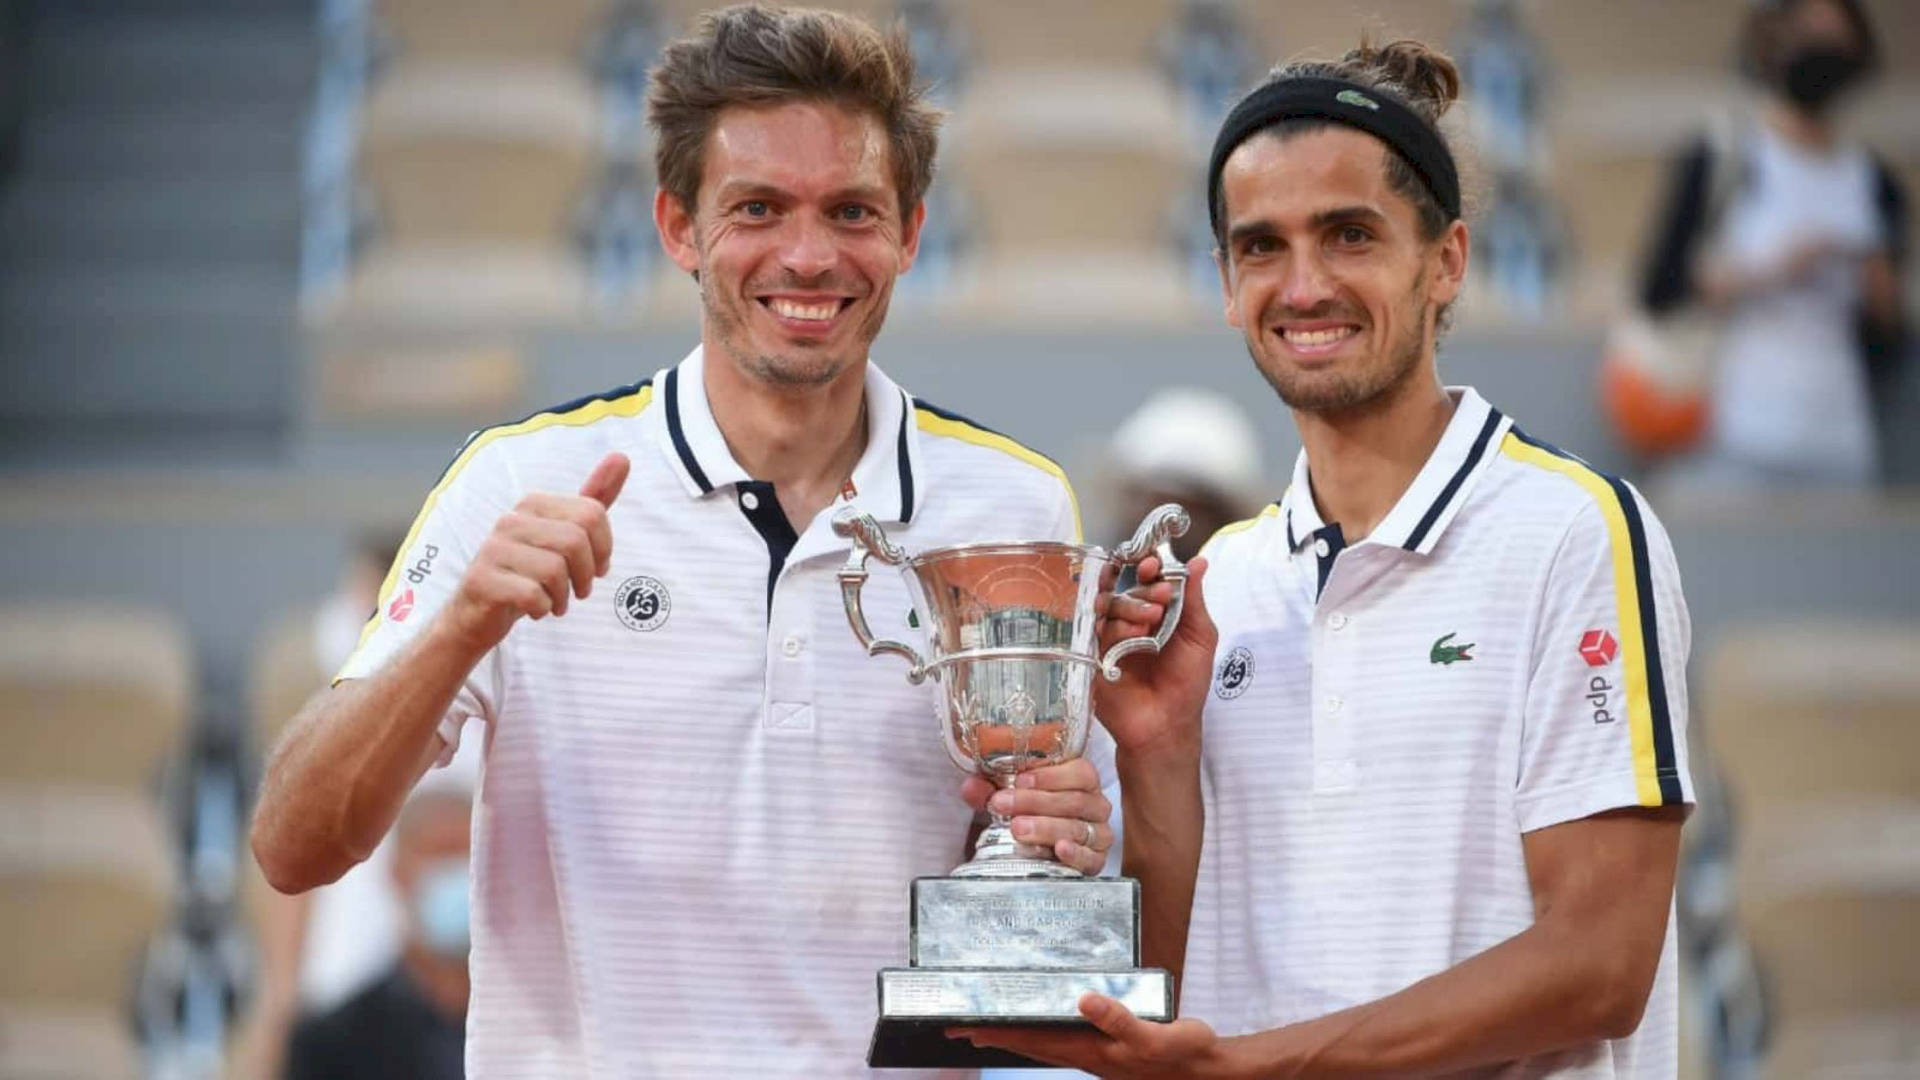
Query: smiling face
[(797, 239), (1326, 272)]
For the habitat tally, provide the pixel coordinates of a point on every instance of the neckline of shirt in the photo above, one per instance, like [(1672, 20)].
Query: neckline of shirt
[(885, 482), (1430, 503)]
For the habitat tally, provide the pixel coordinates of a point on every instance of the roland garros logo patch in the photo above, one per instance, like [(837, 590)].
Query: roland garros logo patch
[(1236, 671), (642, 603)]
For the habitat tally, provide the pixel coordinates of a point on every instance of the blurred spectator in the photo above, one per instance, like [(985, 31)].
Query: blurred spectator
[(1190, 446), (1794, 235), (411, 1023), (319, 948)]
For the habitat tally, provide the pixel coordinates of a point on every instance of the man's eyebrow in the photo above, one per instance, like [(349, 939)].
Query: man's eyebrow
[(1251, 230), (867, 192), (1346, 215), (748, 189)]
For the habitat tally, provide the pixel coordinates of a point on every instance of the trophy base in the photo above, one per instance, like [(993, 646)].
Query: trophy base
[(918, 1005)]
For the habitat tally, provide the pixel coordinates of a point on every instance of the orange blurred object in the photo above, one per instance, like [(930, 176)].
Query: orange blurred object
[(1653, 384)]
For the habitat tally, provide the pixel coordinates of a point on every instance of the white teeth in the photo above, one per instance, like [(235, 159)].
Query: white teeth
[(789, 309), (1320, 337)]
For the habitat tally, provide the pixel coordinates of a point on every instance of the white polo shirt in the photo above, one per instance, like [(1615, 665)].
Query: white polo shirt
[(1505, 652), (702, 803)]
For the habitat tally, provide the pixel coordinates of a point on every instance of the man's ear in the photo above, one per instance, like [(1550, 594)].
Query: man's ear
[(1449, 269), (674, 224), (1226, 288), (910, 235)]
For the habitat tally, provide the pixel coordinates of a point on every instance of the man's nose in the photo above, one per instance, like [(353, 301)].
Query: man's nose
[(1308, 285), (809, 249)]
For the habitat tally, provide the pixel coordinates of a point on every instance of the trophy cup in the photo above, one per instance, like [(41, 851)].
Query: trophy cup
[(1013, 936)]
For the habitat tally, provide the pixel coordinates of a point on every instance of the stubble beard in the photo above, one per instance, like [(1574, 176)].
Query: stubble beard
[(799, 368), (1338, 393)]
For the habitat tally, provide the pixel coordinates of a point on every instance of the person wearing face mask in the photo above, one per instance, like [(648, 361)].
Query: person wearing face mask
[(1794, 235), (411, 1022)]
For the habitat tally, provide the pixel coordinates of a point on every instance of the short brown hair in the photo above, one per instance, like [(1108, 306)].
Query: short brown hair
[(752, 54)]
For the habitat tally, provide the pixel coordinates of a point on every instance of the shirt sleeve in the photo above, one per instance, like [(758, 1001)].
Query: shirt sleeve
[(458, 514), (1066, 514), (1605, 720)]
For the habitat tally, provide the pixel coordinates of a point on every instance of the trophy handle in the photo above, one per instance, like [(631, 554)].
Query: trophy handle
[(869, 539), (1153, 537)]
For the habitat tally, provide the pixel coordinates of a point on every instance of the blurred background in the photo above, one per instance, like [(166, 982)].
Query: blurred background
[(264, 263)]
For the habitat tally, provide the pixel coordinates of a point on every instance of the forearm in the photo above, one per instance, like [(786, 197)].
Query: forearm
[(337, 780), (1164, 819), (1543, 990)]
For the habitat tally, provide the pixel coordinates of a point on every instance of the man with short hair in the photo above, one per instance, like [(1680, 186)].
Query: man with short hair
[(1430, 823), (702, 803)]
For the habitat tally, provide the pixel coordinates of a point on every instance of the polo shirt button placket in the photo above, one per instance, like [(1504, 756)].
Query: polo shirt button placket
[(1335, 663)]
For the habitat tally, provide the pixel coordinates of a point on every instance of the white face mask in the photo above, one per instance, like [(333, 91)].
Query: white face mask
[(440, 908), (336, 631)]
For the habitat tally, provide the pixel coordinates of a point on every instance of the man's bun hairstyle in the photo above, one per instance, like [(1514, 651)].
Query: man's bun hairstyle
[(1422, 76), (1415, 74)]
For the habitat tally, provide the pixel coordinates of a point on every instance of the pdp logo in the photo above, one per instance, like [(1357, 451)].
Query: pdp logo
[(1236, 672), (642, 603)]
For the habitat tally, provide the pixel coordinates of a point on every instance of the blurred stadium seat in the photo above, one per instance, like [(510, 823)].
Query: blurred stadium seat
[(1074, 171), (476, 170), (1094, 33), (1813, 709), (89, 875), (285, 673), (98, 700), (1813, 727), (88, 879), (1884, 1046), (552, 29), (95, 695), (65, 1044)]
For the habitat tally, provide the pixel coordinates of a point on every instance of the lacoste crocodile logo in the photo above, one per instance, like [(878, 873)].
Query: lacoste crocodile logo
[(1445, 654)]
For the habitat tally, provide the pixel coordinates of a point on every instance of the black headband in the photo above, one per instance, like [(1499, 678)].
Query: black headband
[(1340, 102)]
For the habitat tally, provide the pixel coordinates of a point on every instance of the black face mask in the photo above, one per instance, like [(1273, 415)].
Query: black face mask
[(1812, 77)]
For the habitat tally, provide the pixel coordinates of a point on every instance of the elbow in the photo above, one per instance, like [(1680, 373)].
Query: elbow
[(281, 872), (287, 869), (1618, 997), (1621, 1017)]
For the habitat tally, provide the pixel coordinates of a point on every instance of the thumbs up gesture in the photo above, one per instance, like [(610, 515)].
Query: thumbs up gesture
[(540, 556)]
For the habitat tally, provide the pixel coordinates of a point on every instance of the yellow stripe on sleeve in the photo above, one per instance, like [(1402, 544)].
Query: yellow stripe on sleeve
[(1231, 527), (597, 409), (1626, 598), (935, 424)]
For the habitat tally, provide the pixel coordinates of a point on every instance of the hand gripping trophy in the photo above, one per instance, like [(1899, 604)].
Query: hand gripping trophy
[(1013, 936)]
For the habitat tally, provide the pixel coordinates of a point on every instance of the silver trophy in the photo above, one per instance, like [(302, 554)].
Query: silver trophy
[(1012, 936)]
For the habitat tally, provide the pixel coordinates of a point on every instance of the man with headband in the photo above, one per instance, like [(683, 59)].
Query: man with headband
[(1421, 791)]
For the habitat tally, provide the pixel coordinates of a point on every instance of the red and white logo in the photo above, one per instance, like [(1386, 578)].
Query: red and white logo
[(1598, 648), (401, 607)]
